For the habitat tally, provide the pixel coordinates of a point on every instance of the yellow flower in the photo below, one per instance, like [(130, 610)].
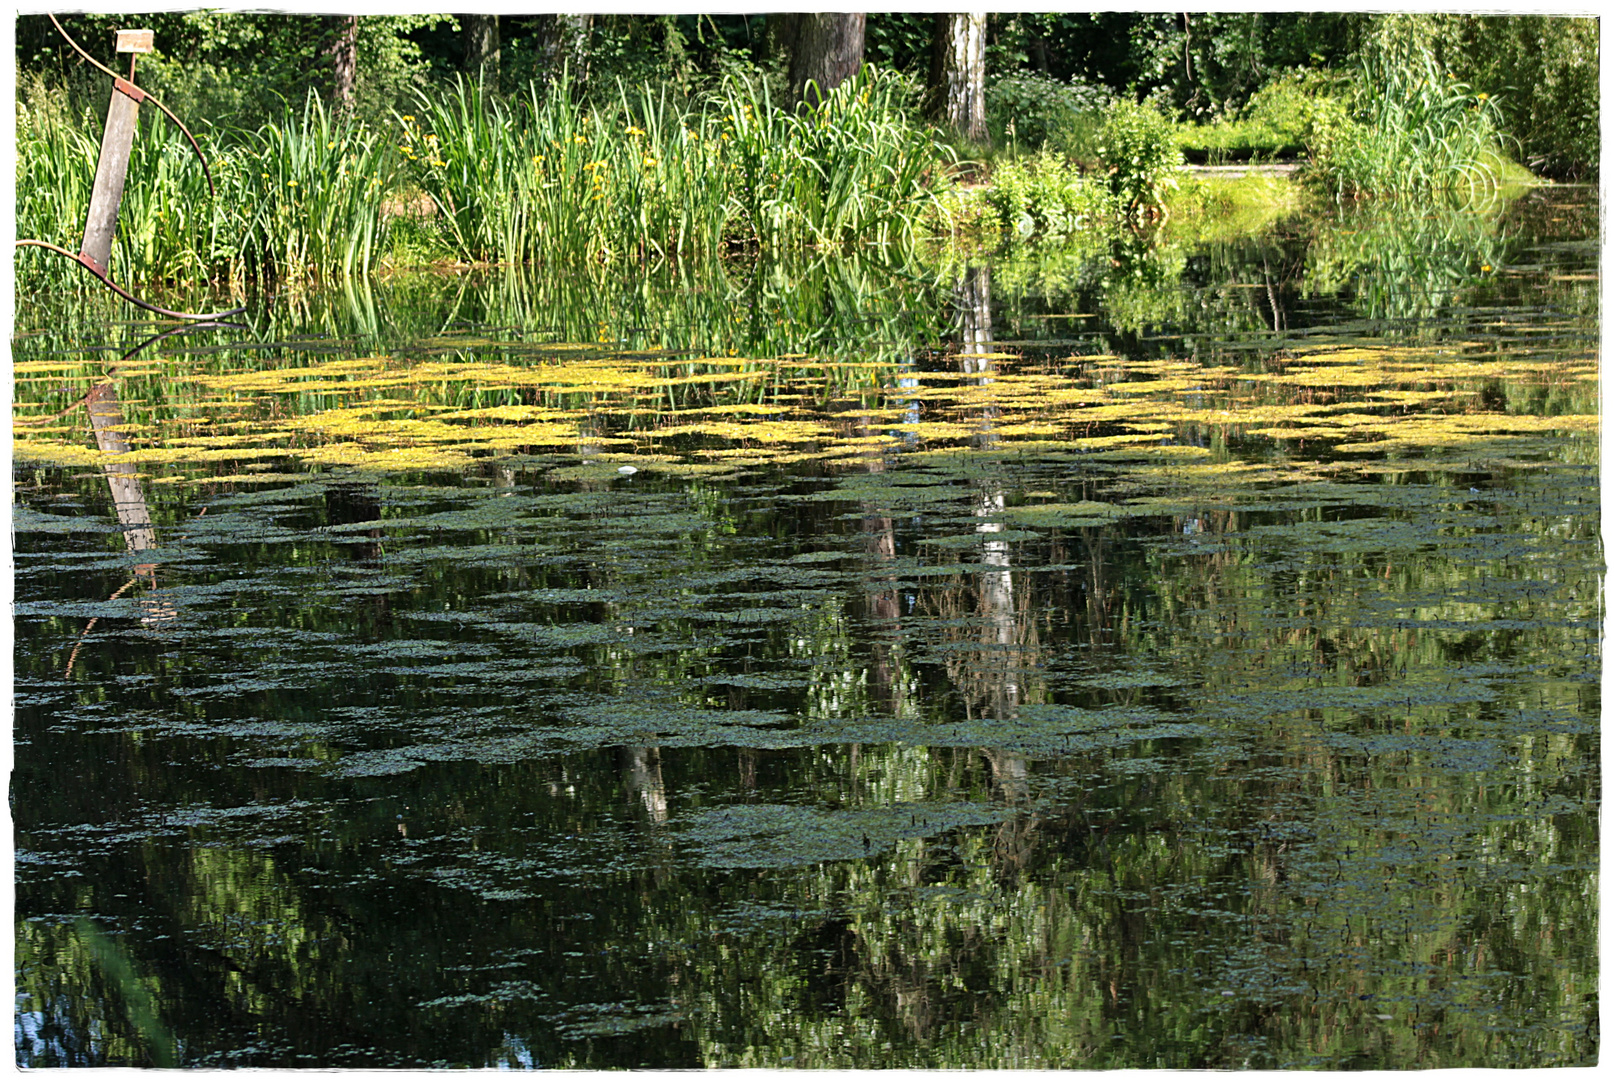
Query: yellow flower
[(331, 145), (1485, 268), (579, 138), (635, 131), (1482, 97), (649, 162)]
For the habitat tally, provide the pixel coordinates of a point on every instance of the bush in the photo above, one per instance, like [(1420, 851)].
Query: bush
[(1043, 196), (1033, 110), (1140, 151)]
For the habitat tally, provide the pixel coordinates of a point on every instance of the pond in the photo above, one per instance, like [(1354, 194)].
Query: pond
[(1179, 655)]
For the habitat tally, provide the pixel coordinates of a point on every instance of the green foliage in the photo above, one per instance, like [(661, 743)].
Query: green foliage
[(1544, 72), (1285, 115), (899, 40), (1414, 127), (1209, 64), (1141, 154), (1045, 197), (1031, 110)]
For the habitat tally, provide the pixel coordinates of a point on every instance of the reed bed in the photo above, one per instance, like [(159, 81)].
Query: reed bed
[(542, 179), (645, 175)]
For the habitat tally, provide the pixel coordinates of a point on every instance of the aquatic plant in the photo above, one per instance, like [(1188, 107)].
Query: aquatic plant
[(1141, 156), (1414, 127), (553, 180)]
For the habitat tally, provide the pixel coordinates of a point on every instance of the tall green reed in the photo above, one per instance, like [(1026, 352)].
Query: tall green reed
[(1416, 128), (650, 174), (308, 194), (854, 169), (55, 168), (543, 179), (294, 200)]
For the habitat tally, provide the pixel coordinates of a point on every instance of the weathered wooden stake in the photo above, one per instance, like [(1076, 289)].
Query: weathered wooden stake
[(116, 144)]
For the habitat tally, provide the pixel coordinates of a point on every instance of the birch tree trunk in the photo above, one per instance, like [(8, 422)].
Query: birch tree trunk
[(565, 45), (958, 74)]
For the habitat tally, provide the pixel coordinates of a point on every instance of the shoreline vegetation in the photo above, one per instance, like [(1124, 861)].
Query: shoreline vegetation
[(467, 177)]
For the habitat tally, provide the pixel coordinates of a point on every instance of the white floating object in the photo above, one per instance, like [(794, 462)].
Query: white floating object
[(627, 470)]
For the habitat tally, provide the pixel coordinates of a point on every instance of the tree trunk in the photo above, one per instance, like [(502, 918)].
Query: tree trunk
[(344, 54), (958, 74), (482, 46), (825, 50), (565, 46)]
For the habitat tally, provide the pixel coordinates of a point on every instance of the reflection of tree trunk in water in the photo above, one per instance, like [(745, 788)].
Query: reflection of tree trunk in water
[(1279, 323), (1002, 639), (128, 502), (1001, 634), (882, 608), (354, 504), (1012, 847), (972, 299), (641, 775), (1097, 589)]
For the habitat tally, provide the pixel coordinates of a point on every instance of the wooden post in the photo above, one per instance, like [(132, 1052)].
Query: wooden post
[(116, 143)]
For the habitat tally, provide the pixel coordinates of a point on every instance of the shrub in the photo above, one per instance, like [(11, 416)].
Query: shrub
[(1042, 196), (1141, 155), (1032, 110)]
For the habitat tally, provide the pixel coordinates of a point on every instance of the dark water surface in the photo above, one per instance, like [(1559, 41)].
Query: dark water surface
[(1180, 656)]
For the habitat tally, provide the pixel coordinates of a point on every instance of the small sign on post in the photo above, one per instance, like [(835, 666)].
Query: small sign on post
[(134, 41)]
